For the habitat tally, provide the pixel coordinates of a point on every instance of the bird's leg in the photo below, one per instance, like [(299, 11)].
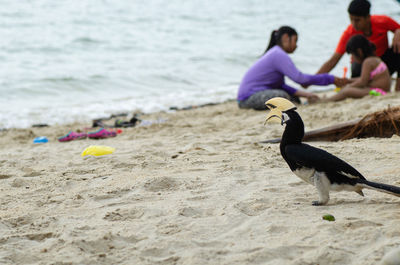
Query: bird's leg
[(322, 184)]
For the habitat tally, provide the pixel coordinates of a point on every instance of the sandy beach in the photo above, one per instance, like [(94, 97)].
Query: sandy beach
[(198, 188)]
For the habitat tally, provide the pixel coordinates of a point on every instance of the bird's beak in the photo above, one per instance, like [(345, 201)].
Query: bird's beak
[(275, 115)]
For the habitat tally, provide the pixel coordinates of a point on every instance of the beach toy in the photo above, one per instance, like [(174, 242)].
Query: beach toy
[(344, 71), (98, 150), (101, 134), (377, 92), (328, 217), (72, 136), (40, 140), (337, 89)]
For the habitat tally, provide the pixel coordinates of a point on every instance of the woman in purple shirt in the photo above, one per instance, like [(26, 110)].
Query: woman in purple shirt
[(265, 79)]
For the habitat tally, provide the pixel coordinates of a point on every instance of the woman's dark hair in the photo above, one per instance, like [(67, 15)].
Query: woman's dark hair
[(276, 36), (360, 42)]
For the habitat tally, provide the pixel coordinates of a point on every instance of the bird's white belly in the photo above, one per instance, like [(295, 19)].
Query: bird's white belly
[(306, 174), (309, 175)]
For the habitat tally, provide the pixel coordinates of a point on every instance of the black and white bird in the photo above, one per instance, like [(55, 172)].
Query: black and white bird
[(313, 165)]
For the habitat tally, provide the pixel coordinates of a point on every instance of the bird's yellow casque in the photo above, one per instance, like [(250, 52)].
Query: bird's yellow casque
[(280, 103), (277, 106)]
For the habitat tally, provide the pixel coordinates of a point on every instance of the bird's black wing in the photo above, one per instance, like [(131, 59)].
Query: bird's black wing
[(304, 155)]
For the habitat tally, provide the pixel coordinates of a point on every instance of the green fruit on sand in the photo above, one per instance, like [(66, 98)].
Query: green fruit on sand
[(328, 217)]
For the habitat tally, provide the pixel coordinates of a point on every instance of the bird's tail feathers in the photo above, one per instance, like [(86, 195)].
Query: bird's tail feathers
[(394, 190)]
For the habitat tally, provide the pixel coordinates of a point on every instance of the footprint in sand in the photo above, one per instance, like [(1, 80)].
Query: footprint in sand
[(106, 243), (253, 207), (19, 182), (40, 236), (160, 255), (161, 184), (195, 212), (199, 198), (168, 229), (3, 176), (112, 195), (18, 221), (124, 214), (361, 223), (30, 172), (277, 229)]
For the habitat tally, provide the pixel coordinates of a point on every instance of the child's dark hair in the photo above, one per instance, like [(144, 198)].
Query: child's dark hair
[(360, 42), (276, 36)]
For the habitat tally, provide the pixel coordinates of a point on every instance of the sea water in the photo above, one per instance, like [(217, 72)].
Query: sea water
[(73, 61)]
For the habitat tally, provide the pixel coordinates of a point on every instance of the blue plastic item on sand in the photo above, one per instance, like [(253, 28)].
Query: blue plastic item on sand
[(40, 140)]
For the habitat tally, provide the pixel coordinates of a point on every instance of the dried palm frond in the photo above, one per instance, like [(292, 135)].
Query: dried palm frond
[(383, 123)]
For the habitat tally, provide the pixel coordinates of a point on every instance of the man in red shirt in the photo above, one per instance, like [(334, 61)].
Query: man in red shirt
[(375, 28)]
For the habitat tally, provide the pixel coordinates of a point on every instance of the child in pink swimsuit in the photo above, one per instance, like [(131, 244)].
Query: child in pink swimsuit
[(374, 72), (379, 69)]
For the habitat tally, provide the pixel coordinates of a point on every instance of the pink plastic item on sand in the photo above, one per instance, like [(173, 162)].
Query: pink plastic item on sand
[(101, 134), (72, 136)]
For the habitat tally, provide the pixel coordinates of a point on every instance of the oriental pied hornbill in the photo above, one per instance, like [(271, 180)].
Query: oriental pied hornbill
[(313, 165)]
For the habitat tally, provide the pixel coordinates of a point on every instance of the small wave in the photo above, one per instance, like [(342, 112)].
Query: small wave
[(93, 77), (59, 79), (201, 59), (87, 40), (34, 50), (175, 79)]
